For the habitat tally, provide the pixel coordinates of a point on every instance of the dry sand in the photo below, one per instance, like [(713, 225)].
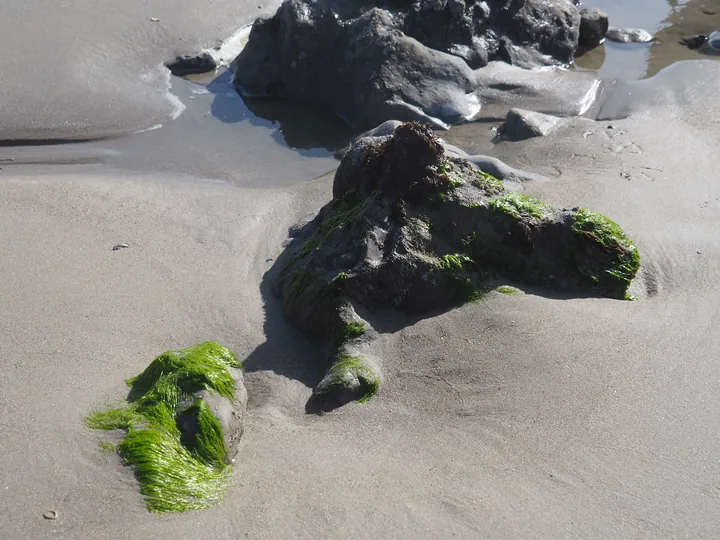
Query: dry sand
[(529, 416)]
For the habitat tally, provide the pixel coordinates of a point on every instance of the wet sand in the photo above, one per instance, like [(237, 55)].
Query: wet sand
[(668, 22), (521, 416)]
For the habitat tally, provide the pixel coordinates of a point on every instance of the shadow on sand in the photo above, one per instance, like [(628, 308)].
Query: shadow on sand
[(290, 353)]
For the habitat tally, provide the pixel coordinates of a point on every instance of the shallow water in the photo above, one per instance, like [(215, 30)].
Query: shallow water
[(667, 20), (218, 135), (260, 143)]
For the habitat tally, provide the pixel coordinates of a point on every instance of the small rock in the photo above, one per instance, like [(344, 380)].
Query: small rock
[(154, 19), (629, 35), (50, 514), (694, 42), (521, 124), (188, 65), (593, 27), (116, 247)]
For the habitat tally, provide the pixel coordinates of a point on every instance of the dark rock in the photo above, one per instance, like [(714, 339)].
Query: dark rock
[(190, 65), (628, 35), (694, 42), (412, 229), (593, 27), (411, 61), (230, 414), (520, 125)]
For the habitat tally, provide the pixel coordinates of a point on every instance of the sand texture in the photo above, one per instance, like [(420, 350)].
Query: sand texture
[(517, 416)]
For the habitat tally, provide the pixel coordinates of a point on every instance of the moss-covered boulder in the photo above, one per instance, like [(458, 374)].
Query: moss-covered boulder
[(412, 229), (183, 418)]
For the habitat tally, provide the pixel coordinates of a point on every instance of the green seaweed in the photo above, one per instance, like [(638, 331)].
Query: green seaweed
[(299, 281), (487, 182), (107, 447), (173, 476), (603, 230), (342, 212), (466, 291), (520, 206), (454, 262), (347, 369), (353, 330), (448, 172), (507, 289), (342, 276)]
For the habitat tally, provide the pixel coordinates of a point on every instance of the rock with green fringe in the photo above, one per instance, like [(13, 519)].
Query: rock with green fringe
[(183, 419), (412, 229)]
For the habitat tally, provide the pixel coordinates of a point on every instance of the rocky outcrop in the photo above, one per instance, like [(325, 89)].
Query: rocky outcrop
[(403, 60), (412, 229)]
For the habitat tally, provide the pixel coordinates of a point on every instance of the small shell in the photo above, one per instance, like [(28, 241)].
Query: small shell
[(50, 514), (119, 246)]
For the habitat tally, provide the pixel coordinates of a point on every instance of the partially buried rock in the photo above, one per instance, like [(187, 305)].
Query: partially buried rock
[(191, 65), (593, 27), (629, 35), (520, 125), (414, 230), (184, 418), (694, 42)]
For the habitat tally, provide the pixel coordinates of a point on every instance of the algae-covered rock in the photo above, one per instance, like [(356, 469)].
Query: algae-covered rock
[(183, 419), (414, 230)]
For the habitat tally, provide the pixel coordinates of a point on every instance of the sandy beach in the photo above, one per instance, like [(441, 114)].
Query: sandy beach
[(527, 416)]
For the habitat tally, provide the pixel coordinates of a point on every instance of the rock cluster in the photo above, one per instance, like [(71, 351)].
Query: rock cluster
[(401, 60)]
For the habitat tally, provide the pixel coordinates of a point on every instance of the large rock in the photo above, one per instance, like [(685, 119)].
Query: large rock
[(410, 61), (593, 27), (412, 229)]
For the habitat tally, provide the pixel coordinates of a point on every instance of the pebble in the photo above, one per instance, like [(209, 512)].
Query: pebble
[(119, 246), (50, 514)]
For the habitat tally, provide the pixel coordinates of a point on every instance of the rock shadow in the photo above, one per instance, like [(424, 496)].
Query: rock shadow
[(413, 231), (309, 129)]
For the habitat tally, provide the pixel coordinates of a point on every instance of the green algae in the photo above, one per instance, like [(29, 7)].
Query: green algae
[(609, 234), (466, 291), (342, 276), (341, 213), (488, 183), (454, 262), (520, 206), (301, 280), (107, 447), (448, 171), (353, 330), (176, 473), (507, 289), (348, 371)]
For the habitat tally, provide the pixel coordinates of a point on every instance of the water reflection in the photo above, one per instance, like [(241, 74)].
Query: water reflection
[(302, 127), (667, 20)]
